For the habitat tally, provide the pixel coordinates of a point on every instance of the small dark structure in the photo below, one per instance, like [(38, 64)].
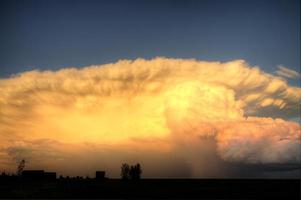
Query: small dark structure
[(49, 175), (38, 175), (33, 174), (100, 175)]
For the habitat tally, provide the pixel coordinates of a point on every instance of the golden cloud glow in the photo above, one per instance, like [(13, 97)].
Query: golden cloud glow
[(151, 105)]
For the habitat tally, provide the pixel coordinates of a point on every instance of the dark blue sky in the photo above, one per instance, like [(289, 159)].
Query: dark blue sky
[(50, 34)]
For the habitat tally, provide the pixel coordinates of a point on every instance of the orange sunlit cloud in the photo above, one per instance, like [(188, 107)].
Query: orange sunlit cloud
[(143, 108)]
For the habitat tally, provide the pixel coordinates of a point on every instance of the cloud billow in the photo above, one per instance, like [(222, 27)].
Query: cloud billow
[(287, 73)]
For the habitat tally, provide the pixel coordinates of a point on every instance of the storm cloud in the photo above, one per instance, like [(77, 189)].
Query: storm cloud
[(142, 110)]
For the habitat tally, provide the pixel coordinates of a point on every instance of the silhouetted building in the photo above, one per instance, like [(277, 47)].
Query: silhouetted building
[(33, 174), (38, 175), (100, 175), (49, 175)]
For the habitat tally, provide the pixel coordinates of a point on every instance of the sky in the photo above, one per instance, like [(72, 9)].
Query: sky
[(188, 89), (56, 34)]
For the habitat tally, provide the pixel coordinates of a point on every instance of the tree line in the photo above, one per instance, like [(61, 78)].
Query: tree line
[(128, 172)]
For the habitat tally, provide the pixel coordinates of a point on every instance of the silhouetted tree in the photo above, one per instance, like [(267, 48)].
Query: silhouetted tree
[(138, 170), (135, 172), (131, 172), (21, 167), (125, 171)]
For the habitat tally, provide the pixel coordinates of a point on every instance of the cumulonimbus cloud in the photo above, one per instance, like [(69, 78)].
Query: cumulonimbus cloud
[(156, 105)]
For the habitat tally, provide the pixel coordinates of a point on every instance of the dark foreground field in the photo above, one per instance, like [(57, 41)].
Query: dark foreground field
[(154, 188)]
